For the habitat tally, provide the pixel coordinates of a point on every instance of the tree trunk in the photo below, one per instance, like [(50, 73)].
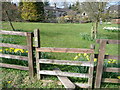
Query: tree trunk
[(10, 21), (94, 30)]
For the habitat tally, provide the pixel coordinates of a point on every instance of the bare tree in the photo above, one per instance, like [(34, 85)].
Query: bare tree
[(95, 11)]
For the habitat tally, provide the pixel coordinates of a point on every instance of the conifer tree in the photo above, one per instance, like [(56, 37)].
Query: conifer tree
[(32, 11)]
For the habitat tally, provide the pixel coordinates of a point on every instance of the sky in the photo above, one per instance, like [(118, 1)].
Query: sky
[(112, 2)]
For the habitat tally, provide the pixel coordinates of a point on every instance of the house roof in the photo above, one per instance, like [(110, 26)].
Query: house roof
[(114, 8), (56, 9)]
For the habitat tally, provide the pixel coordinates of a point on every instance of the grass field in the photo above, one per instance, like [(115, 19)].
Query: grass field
[(56, 35)]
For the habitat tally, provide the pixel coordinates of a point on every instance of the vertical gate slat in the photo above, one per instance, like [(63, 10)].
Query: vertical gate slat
[(91, 69), (30, 53), (100, 63), (38, 54)]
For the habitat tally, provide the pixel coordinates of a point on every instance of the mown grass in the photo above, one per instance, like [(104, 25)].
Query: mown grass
[(56, 35)]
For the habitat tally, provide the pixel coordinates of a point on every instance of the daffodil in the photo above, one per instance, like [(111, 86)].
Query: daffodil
[(85, 54), (21, 50), (12, 49), (118, 77), (75, 57), (1, 50), (79, 54), (95, 59), (109, 61), (26, 51), (6, 49), (9, 81), (88, 58), (16, 50)]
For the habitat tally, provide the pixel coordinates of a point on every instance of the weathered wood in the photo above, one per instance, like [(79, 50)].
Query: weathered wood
[(82, 85), (91, 69), (109, 41), (67, 74), (30, 54), (14, 57), (65, 50), (13, 33), (109, 57), (100, 64), (109, 69), (67, 62), (37, 38), (13, 66), (65, 81), (38, 54), (13, 46), (109, 80)]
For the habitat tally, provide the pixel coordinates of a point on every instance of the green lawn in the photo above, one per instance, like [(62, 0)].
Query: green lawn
[(61, 35)]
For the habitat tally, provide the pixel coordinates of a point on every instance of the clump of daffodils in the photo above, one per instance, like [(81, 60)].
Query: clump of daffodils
[(86, 56), (13, 50)]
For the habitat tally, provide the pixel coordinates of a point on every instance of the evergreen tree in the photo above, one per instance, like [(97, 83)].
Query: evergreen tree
[(32, 11)]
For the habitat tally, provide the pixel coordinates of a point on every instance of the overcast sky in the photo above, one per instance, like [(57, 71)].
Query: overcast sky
[(112, 2)]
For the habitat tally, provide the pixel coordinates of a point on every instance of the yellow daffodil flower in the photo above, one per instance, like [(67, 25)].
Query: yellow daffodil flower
[(26, 51), (88, 58), (9, 81), (21, 50), (1, 50), (16, 50), (85, 54), (75, 57), (95, 59), (12, 48), (6, 49), (118, 77), (79, 54)]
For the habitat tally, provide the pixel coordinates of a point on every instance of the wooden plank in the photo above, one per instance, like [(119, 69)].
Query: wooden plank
[(13, 46), (67, 62), (65, 81), (30, 54), (67, 74), (100, 64), (108, 69), (65, 50), (13, 66), (108, 41), (13, 33), (109, 80), (38, 54), (14, 57), (91, 69), (109, 57), (37, 38), (82, 85)]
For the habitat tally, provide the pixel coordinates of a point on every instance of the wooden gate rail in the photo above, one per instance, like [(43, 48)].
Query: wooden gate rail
[(64, 50), (29, 47), (89, 64), (100, 68)]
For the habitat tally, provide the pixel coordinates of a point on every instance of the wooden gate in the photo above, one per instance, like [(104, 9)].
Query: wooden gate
[(89, 64), (29, 47), (100, 68)]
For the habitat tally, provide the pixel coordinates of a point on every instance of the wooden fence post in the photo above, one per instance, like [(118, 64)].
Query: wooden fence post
[(30, 53), (38, 54), (100, 63), (91, 69)]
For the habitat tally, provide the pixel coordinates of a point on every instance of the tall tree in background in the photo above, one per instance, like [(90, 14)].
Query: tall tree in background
[(95, 11), (32, 11)]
